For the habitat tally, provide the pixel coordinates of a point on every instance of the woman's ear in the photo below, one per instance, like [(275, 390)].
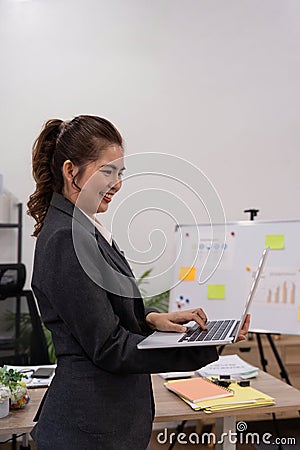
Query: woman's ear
[(69, 170)]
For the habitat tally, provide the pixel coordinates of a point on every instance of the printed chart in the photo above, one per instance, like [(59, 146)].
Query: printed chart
[(279, 287)]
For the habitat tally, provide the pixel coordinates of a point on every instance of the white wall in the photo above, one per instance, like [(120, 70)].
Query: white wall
[(216, 82)]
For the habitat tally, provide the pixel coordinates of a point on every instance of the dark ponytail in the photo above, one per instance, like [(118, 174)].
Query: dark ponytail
[(42, 156), (81, 141)]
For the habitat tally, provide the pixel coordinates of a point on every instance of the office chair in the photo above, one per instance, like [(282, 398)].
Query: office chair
[(12, 280)]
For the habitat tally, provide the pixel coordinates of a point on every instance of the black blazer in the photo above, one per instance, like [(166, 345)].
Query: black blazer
[(101, 396)]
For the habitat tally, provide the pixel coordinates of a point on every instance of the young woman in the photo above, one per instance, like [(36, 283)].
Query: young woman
[(101, 396)]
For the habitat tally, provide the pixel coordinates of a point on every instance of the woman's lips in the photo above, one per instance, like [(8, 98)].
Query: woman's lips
[(106, 197)]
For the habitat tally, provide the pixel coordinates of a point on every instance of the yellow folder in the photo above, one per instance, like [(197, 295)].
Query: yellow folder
[(243, 397)]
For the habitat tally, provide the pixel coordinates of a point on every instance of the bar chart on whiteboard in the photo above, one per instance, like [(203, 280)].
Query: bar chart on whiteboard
[(279, 287)]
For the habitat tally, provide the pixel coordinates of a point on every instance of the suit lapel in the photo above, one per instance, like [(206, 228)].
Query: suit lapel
[(116, 259), (111, 253)]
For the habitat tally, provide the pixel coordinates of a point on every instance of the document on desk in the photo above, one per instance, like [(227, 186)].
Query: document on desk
[(231, 365), (173, 375), (28, 372), (243, 397)]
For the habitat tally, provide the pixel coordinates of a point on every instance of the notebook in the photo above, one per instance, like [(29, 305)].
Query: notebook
[(197, 389), (219, 332), (243, 397)]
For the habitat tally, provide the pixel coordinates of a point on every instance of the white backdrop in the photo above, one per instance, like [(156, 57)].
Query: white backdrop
[(212, 81)]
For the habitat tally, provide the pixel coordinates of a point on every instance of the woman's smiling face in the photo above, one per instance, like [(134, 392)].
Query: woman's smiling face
[(100, 181)]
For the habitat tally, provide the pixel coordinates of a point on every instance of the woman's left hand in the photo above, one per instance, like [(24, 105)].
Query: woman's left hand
[(243, 333), (174, 321)]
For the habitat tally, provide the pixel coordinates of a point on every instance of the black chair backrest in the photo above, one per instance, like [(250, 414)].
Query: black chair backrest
[(12, 279), (38, 350)]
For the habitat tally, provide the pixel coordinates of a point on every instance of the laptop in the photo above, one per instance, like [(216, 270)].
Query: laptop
[(219, 332)]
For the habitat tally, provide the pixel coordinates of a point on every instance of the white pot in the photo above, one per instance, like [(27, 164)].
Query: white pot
[(4, 408)]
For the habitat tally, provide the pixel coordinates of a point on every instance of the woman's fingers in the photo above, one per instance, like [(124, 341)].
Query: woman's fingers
[(246, 325), (201, 314), (196, 315), (244, 331)]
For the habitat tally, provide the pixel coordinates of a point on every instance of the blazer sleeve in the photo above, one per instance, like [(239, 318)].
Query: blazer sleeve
[(85, 308)]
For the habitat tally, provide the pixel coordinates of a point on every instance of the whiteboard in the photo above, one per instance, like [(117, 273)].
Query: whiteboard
[(276, 305)]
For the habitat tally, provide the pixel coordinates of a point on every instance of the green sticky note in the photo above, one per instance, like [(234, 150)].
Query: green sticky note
[(216, 291), (274, 241)]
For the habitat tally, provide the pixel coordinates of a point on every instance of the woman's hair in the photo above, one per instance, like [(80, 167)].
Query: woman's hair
[(80, 140)]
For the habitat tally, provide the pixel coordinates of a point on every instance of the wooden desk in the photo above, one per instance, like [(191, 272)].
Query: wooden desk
[(21, 420), (170, 408)]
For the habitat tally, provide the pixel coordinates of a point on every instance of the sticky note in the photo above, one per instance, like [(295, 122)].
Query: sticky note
[(274, 241), (298, 313), (216, 291), (187, 273)]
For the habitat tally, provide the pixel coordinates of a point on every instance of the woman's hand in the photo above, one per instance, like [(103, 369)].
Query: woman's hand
[(243, 333), (174, 321)]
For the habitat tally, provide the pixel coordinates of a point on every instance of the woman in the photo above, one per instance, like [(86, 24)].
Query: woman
[(101, 396)]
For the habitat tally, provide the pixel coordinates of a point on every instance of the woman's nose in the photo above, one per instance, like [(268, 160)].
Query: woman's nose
[(115, 183)]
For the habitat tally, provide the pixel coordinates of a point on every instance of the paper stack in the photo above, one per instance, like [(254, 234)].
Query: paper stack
[(231, 365), (172, 375)]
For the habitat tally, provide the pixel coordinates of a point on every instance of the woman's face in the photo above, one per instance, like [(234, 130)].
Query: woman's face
[(100, 181)]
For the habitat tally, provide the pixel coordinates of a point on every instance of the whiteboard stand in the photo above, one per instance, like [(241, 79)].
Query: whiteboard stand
[(264, 362), (283, 373)]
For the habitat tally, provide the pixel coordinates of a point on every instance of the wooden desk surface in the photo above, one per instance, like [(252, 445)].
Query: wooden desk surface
[(21, 420), (170, 408)]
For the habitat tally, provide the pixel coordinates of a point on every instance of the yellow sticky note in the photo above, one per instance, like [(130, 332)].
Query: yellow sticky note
[(216, 291), (298, 313), (187, 273), (274, 241)]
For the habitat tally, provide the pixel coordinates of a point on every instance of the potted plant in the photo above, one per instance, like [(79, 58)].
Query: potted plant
[(4, 400), (11, 379)]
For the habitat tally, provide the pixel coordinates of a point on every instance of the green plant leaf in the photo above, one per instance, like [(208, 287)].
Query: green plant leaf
[(142, 278), (50, 346), (159, 301), (10, 377)]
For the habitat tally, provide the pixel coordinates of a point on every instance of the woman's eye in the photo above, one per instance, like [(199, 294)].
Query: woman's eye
[(121, 174), (107, 172)]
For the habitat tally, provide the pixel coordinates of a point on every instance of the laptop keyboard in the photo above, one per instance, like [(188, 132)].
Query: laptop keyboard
[(216, 330)]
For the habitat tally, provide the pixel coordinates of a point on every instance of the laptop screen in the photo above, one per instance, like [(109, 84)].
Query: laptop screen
[(252, 290)]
